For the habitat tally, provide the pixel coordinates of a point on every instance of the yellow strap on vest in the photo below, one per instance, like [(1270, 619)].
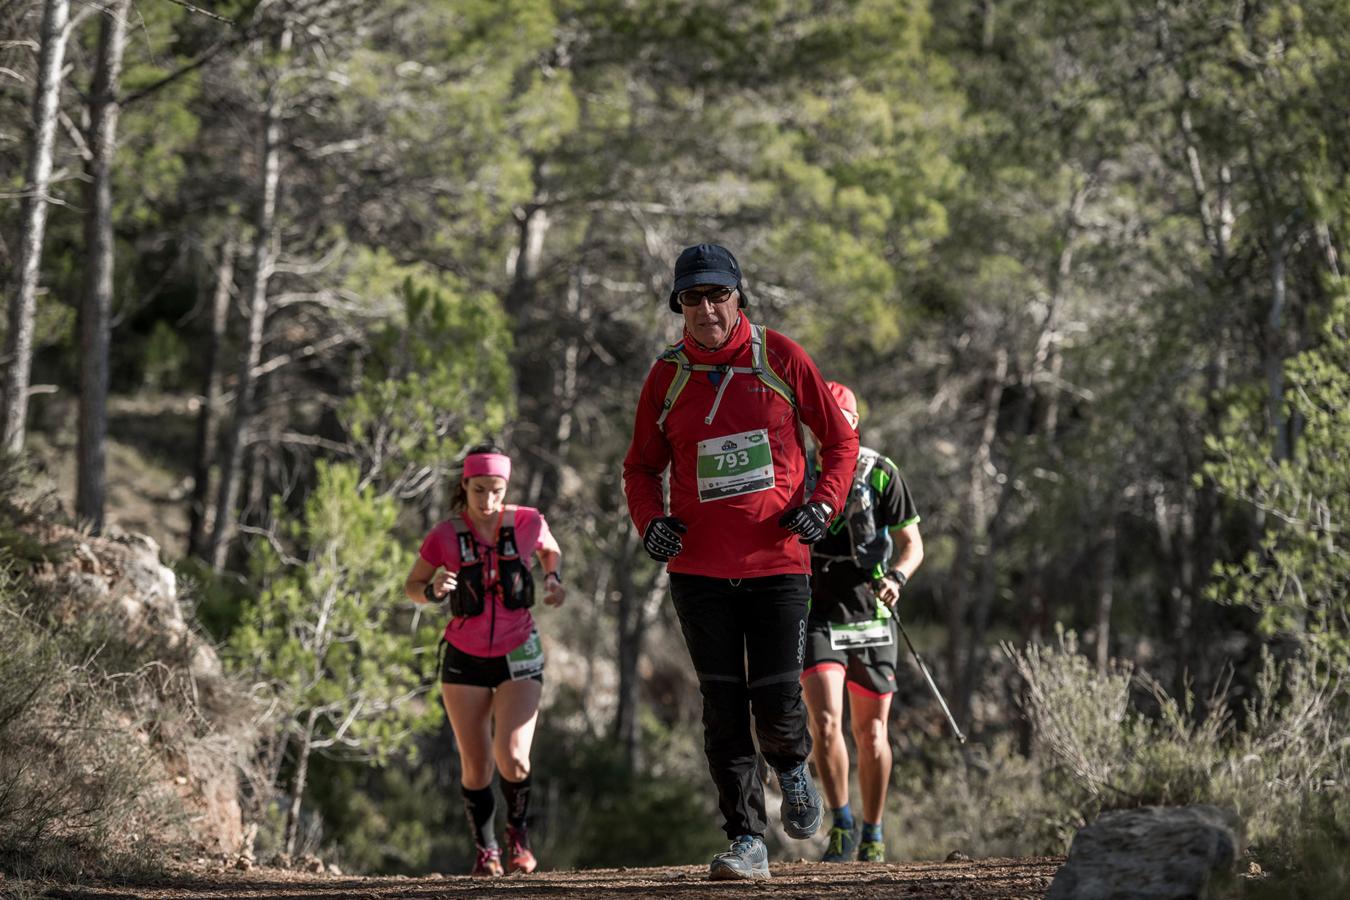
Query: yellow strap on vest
[(761, 369), (683, 369), (765, 371)]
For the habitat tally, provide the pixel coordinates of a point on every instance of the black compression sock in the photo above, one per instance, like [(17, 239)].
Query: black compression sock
[(517, 794), (481, 808)]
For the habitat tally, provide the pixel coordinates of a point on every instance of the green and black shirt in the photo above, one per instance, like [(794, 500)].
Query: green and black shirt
[(840, 588)]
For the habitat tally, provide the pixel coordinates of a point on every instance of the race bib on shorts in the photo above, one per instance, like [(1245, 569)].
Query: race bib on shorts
[(852, 635), (734, 464), (527, 660)]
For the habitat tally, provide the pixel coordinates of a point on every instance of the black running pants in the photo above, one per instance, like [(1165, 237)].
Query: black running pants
[(747, 638)]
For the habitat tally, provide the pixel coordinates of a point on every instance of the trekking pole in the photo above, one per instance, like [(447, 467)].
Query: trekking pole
[(932, 684)]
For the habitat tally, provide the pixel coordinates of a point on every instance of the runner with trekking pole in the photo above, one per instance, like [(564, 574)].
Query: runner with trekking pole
[(852, 640), (723, 410), (491, 663)]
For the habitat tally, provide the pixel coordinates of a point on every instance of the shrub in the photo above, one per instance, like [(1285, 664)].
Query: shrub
[(1117, 739), (1290, 746), (72, 776)]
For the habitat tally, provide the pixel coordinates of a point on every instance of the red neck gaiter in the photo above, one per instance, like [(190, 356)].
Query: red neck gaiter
[(723, 355)]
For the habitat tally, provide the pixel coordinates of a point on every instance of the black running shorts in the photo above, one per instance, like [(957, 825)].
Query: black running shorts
[(870, 670), (458, 667)]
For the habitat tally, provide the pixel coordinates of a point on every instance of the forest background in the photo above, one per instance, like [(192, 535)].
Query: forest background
[(270, 265)]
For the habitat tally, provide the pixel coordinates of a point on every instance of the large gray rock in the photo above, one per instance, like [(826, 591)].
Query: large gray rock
[(1153, 853)]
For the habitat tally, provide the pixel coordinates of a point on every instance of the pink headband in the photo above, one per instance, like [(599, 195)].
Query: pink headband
[(487, 464)]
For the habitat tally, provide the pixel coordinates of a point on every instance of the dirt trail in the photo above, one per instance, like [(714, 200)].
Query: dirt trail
[(984, 879)]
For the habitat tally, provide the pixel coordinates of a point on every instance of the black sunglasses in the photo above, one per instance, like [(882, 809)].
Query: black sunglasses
[(695, 296)]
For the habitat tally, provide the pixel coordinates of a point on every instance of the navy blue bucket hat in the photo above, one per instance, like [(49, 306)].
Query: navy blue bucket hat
[(705, 264)]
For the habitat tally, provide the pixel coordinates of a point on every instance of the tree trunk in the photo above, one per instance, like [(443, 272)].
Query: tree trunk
[(227, 494), (1106, 591), (954, 605), (1274, 349), (95, 313), (252, 509), (981, 518), (637, 603), (987, 29), (298, 784), (526, 256), (208, 418), (18, 360), (534, 436), (1329, 252)]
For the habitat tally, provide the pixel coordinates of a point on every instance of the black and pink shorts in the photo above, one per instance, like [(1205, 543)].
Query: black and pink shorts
[(867, 670)]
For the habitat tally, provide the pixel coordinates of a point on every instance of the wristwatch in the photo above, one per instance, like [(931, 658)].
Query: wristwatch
[(548, 575), (900, 579)]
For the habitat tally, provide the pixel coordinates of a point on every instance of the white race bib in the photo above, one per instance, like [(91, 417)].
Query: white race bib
[(734, 464), (527, 660), (852, 635)]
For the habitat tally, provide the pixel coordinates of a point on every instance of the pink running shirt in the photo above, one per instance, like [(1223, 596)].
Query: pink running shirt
[(497, 630)]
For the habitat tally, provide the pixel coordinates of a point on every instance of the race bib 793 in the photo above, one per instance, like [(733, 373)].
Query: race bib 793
[(734, 464)]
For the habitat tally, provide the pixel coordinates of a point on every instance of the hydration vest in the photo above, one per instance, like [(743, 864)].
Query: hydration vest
[(869, 547), (485, 571), (759, 367)]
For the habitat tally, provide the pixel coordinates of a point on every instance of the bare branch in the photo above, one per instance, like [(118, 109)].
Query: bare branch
[(310, 440), (305, 352), (274, 541), (76, 136), (202, 12)]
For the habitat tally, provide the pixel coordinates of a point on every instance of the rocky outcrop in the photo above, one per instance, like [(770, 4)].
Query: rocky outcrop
[(118, 586), (1152, 853)]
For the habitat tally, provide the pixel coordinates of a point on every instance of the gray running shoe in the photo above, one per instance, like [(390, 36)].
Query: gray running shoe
[(801, 810), (748, 858)]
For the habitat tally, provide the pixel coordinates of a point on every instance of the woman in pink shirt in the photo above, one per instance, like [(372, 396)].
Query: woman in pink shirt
[(492, 667)]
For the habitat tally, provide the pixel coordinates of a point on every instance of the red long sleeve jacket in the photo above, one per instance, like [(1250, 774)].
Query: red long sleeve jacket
[(733, 521)]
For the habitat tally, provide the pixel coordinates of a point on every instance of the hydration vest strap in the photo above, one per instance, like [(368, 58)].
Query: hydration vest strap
[(867, 461), (468, 538), (683, 370), (869, 545), (760, 368)]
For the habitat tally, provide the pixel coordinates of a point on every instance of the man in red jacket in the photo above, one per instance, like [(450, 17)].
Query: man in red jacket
[(724, 410)]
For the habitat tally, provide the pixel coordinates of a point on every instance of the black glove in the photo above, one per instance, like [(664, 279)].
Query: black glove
[(807, 521), (662, 540)]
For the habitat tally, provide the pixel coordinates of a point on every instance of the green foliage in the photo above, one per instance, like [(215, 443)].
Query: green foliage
[(156, 135), (436, 380), (1298, 579), (164, 355), (219, 599), (392, 821), (324, 631)]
